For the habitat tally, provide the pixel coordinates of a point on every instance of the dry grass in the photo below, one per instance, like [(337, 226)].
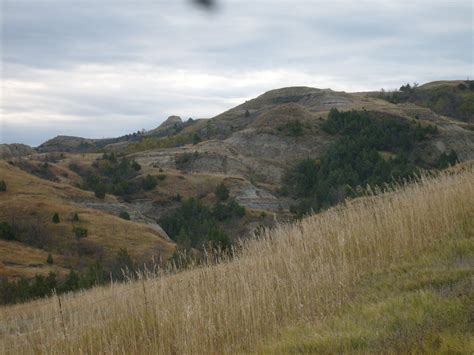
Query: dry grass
[(31, 199), (293, 274), (20, 260)]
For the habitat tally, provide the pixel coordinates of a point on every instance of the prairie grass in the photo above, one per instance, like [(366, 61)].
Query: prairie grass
[(295, 274)]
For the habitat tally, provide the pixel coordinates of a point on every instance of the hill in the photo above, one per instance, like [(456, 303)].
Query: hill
[(8, 151), (28, 206), (280, 155), (450, 98), (383, 273)]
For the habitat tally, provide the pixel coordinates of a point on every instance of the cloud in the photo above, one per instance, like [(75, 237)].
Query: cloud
[(102, 68)]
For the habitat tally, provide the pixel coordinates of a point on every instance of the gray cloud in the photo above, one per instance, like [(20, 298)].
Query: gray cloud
[(104, 68)]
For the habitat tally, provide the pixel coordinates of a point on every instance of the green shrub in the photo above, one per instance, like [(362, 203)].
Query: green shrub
[(55, 218), (196, 138), (3, 185), (136, 166), (447, 160), (80, 232), (49, 259), (6, 231), (124, 215), (149, 182), (75, 217), (100, 190), (295, 128), (221, 192)]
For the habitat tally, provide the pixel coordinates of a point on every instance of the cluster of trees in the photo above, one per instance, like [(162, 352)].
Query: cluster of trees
[(294, 128), (195, 225), (447, 160), (115, 176), (32, 231), (41, 170), (182, 161), (355, 159), (455, 101), (22, 290)]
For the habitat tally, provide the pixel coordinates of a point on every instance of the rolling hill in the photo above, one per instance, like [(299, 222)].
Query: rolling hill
[(251, 149), (383, 273)]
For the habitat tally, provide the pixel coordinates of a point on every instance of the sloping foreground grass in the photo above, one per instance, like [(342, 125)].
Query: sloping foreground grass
[(305, 273), (422, 306)]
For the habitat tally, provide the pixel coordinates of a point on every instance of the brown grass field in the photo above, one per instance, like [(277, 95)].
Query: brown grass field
[(387, 273)]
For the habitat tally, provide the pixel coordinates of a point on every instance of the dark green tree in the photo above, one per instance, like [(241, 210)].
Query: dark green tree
[(221, 192), (49, 259), (196, 138), (3, 185), (149, 182), (124, 215), (56, 218), (100, 190), (6, 231), (71, 283), (136, 166), (80, 232)]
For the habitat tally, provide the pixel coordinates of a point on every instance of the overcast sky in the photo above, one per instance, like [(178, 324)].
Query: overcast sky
[(102, 68)]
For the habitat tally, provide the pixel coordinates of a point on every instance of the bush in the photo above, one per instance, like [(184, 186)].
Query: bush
[(221, 192), (80, 232), (295, 128), (124, 215), (196, 138), (55, 218), (194, 225), (447, 160), (183, 160), (149, 182), (462, 87), (75, 217), (100, 190), (3, 185), (136, 166), (49, 260), (6, 231)]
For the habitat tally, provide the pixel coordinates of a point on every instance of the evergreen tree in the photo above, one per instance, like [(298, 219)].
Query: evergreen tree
[(221, 192), (80, 232), (124, 215), (56, 218), (3, 185), (6, 231), (149, 182), (49, 260)]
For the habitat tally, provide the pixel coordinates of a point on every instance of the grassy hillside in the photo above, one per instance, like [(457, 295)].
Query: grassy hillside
[(28, 206), (389, 272), (450, 98)]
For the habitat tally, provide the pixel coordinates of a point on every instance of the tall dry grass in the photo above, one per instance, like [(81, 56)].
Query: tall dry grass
[(293, 273)]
